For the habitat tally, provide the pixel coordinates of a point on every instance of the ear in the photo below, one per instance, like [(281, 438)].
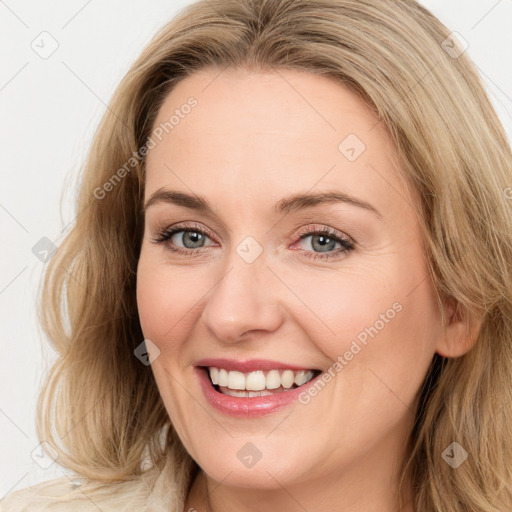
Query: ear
[(460, 333)]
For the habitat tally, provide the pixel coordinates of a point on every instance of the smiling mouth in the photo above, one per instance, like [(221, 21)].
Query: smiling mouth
[(257, 383)]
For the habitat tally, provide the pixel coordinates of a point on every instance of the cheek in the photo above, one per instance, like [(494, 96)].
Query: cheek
[(383, 320), (164, 301), (344, 307), (169, 300)]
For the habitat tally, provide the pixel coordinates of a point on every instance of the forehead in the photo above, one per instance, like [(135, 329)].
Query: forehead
[(279, 132)]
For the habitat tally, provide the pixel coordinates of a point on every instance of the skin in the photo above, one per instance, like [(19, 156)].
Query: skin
[(253, 139)]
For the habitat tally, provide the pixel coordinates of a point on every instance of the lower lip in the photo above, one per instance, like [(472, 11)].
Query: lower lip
[(244, 406)]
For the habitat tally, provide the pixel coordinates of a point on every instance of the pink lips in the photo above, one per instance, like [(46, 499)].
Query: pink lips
[(249, 366), (244, 406)]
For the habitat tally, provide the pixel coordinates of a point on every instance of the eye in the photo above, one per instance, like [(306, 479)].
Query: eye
[(184, 239), (325, 243), (189, 239)]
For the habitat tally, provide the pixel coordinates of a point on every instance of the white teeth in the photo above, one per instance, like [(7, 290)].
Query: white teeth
[(223, 377), (246, 394), (287, 379), (236, 380), (273, 379), (300, 377), (214, 375), (256, 382)]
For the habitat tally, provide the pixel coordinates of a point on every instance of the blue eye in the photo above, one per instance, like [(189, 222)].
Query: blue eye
[(190, 236), (325, 243), (190, 239)]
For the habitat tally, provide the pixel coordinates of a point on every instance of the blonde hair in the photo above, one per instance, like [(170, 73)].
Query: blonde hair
[(100, 407)]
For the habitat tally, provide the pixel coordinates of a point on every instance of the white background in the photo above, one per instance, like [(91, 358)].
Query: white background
[(50, 109)]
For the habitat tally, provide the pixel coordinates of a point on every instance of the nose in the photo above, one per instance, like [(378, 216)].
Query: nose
[(244, 300)]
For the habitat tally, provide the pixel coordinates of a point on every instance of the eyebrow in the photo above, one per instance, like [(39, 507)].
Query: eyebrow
[(287, 205)]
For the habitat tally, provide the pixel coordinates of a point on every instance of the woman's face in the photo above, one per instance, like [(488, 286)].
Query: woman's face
[(258, 282)]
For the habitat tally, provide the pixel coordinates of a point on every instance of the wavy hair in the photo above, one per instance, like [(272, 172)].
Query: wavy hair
[(100, 408)]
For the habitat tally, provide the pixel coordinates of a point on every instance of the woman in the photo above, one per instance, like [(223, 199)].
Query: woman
[(289, 284)]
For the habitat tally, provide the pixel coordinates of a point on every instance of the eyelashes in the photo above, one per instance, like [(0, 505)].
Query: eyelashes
[(322, 237), (326, 236)]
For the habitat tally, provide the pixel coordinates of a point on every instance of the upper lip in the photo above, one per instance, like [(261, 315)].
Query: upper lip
[(249, 365)]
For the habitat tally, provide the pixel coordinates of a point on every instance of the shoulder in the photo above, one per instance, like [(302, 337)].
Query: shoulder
[(160, 488), (44, 495), (67, 495)]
